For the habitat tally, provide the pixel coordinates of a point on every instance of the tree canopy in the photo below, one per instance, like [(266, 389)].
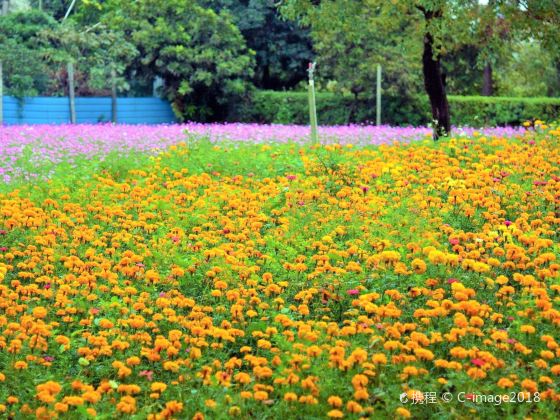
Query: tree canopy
[(211, 54)]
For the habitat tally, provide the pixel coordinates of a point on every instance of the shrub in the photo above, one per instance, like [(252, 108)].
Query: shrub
[(292, 108)]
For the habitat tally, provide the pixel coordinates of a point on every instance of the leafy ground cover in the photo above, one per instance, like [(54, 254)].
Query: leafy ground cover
[(234, 279), (29, 151)]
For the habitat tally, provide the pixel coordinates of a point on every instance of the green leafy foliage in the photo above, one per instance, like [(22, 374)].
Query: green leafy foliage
[(529, 71), (332, 109), (282, 48), (96, 50), (21, 52), (200, 54)]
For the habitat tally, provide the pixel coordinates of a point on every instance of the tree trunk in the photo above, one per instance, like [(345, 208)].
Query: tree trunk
[(487, 81), (434, 82)]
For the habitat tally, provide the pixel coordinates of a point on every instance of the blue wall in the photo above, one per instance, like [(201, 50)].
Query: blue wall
[(50, 110)]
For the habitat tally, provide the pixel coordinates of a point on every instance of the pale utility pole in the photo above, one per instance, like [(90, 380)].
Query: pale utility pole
[(113, 95), (378, 97), (312, 106), (1, 95), (71, 92)]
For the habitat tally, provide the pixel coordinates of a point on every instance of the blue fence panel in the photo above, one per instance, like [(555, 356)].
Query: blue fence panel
[(56, 110)]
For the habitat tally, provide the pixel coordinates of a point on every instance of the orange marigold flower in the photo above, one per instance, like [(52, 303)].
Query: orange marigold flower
[(40, 312), (290, 396), (334, 401), (402, 412), (505, 383), (158, 387), (20, 365)]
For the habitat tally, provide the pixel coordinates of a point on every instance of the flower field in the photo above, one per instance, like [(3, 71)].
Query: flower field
[(244, 273)]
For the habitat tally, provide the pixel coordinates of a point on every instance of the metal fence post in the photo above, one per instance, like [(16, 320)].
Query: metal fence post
[(71, 92)]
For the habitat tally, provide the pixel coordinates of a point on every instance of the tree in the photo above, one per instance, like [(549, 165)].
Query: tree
[(442, 25), (21, 52), (56, 8), (282, 48), (347, 49), (425, 21), (529, 71), (101, 53), (200, 54)]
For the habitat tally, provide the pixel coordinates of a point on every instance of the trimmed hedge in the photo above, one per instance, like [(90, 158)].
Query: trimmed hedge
[(476, 111), (479, 111)]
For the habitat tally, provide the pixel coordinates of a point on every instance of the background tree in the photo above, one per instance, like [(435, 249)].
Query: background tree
[(349, 48), (200, 54), (22, 51), (99, 54), (441, 25), (56, 8), (529, 71), (282, 48)]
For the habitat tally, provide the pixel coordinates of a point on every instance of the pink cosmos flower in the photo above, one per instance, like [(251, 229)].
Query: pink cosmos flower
[(353, 292), (147, 373)]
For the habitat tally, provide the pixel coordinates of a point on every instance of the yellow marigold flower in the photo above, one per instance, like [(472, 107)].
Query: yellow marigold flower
[(361, 394), (242, 378), (418, 265), (529, 329), (359, 381), (290, 396), (505, 383), (158, 387), (402, 412), (555, 370), (335, 414), (210, 404), (91, 396), (133, 361), (354, 407), (73, 400), (424, 354), (50, 387), (127, 405), (40, 312), (379, 359), (105, 323), (61, 407), (20, 365), (334, 401), (529, 385), (234, 411), (261, 395)]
